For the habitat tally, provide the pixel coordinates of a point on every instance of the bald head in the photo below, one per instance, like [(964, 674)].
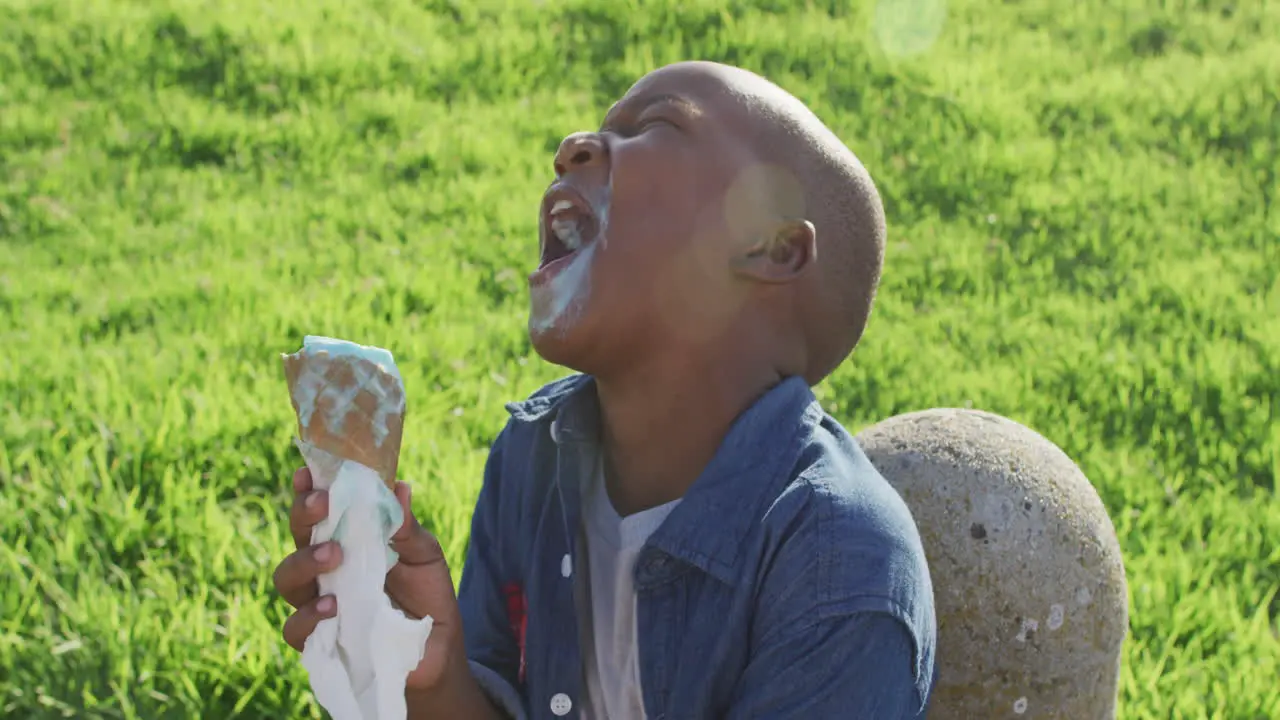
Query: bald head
[(807, 173)]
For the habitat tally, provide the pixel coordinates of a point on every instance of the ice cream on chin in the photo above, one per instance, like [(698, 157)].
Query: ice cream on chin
[(349, 400)]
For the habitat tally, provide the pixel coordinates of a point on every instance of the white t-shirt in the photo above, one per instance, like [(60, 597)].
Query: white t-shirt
[(610, 654)]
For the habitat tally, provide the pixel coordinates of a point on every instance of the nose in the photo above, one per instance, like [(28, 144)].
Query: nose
[(579, 151)]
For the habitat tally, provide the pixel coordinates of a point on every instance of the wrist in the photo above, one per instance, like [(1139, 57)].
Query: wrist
[(456, 694)]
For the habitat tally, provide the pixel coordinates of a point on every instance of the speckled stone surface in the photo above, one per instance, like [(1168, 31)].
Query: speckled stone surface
[(1029, 582)]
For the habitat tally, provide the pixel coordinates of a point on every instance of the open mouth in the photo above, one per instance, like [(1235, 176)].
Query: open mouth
[(567, 227)]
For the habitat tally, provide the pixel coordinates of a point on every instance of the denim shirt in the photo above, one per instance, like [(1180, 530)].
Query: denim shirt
[(790, 582)]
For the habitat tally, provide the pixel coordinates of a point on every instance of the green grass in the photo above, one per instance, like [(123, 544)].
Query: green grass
[(1083, 238)]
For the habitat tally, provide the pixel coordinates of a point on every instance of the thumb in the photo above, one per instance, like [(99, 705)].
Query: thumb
[(412, 542)]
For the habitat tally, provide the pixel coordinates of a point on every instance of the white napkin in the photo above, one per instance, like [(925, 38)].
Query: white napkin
[(358, 660)]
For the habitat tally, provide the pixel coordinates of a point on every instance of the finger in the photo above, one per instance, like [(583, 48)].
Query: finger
[(309, 508), (404, 496), (295, 576), (421, 590), (412, 542), (299, 626), (302, 480)]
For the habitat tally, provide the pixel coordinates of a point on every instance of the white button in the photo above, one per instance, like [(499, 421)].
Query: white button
[(566, 565), (561, 704)]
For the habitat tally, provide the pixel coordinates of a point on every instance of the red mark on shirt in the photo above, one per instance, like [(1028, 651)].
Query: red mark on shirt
[(518, 616)]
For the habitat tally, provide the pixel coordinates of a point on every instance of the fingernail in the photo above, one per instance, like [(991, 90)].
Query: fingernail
[(323, 553), (313, 501), (325, 605)]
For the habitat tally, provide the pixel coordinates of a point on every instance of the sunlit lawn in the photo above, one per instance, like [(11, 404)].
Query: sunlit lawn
[(1083, 238)]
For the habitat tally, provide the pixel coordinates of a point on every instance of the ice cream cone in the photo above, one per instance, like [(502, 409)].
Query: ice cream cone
[(348, 403)]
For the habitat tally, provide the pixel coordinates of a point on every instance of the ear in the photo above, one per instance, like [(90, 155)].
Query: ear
[(781, 257)]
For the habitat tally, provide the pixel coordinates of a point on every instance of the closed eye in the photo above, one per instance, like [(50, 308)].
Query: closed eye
[(633, 129), (648, 122), (654, 111)]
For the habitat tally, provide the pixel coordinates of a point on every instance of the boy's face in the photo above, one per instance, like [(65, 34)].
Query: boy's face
[(635, 245)]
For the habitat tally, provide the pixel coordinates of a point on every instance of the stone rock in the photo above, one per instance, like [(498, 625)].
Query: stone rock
[(1030, 588)]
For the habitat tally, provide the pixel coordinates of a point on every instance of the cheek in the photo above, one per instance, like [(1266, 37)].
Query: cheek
[(665, 224), (656, 217), (657, 189), (685, 288), (665, 245)]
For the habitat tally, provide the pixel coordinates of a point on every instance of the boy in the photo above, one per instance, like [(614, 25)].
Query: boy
[(679, 531)]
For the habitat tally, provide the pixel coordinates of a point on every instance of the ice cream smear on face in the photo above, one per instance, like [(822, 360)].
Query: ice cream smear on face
[(350, 405), (575, 228)]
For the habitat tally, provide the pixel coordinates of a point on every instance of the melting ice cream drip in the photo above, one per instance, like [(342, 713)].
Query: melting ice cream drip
[(600, 206), (567, 291)]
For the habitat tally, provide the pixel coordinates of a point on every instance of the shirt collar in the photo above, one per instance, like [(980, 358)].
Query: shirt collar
[(746, 475), (570, 404), (748, 472)]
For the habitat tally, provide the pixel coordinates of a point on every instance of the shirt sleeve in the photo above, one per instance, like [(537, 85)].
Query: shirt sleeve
[(856, 666), (492, 649)]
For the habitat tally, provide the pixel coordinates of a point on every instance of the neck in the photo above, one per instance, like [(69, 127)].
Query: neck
[(663, 423)]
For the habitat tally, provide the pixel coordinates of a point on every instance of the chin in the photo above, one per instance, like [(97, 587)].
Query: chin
[(560, 346)]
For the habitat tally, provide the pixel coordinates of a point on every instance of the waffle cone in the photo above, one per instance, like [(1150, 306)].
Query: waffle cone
[(343, 403)]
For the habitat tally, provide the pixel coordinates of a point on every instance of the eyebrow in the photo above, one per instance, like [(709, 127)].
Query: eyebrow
[(683, 103)]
